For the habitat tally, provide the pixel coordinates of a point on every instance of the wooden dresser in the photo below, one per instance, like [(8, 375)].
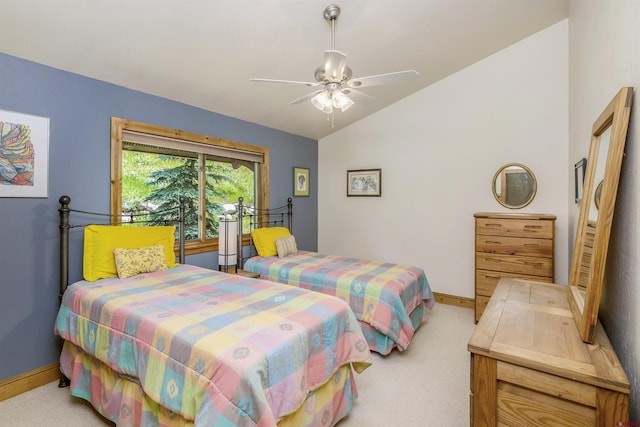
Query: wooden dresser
[(529, 366), (511, 245)]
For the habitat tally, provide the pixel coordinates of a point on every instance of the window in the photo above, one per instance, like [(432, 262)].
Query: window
[(152, 166)]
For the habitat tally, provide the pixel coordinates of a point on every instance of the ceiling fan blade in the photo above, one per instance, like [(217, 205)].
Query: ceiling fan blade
[(359, 97), (334, 63), (310, 84), (306, 97), (383, 79)]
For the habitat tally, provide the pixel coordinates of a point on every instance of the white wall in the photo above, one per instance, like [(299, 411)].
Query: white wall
[(604, 38), (439, 149)]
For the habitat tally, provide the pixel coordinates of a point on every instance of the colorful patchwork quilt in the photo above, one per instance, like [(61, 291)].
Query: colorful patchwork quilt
[(218, 349), (383, 295)]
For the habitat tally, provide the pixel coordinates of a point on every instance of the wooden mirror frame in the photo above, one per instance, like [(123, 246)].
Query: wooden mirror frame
[(502, 174), (592, 237)]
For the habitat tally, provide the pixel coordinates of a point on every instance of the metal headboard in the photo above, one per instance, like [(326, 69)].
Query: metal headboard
[(64, 227), (275, 217)]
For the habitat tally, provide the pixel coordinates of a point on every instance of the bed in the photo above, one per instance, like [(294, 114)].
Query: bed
[(389, 300), (177, 344)]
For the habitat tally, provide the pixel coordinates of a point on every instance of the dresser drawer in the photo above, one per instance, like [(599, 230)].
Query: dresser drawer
[(486, 281), (514, 246), (515, 227), (517, 406), (515, 264)]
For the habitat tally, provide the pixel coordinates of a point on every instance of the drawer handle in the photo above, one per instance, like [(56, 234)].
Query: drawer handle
[(537, 264), (533, 226), (493, 242), (493, 225), (488, 276), (531, 245)]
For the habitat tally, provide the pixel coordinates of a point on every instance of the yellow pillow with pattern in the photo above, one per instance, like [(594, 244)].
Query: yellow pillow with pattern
[(131, 262), (264, 239)]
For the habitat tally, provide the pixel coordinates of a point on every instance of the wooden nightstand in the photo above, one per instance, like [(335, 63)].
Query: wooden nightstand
[(244, 273)]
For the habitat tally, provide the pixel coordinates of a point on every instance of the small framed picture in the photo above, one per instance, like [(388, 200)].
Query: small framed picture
[(300, 182), (579, 171), (364, 183)]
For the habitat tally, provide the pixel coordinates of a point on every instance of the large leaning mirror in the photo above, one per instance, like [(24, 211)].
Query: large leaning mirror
[(608, 137), (514, 185)]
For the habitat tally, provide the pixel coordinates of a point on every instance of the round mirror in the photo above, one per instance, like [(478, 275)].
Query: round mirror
[(514, 186), (596, 195)]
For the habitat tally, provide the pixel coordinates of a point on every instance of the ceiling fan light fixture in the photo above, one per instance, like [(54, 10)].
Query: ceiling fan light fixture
[(342, 101), (334, 78), (323, 102)]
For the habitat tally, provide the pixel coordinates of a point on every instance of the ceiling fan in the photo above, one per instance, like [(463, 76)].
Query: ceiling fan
[(334, 78)]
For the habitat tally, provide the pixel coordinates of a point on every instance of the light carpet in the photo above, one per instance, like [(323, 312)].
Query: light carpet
[(426, 385)]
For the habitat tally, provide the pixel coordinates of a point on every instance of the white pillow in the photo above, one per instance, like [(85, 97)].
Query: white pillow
[(286, 246)]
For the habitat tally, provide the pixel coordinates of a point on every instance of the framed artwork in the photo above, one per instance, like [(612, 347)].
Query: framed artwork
[(579, 170), (24, 155), (364, 183), (300, 182)]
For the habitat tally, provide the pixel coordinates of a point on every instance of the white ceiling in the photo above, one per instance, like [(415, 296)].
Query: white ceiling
[(203, 52)]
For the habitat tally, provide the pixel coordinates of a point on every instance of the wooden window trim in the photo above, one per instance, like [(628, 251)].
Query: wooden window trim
[(118, 125)]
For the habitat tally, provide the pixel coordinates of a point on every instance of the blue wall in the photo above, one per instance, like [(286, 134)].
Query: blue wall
[(80, 111)]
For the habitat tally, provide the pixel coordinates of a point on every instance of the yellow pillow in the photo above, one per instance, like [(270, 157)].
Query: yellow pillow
[(131, 262), (264, 239), (101, 240)]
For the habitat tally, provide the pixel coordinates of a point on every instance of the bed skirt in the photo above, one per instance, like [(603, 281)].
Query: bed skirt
[(122, 400)]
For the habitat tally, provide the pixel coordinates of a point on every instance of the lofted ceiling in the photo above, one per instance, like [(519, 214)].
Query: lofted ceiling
[(203, 52)]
